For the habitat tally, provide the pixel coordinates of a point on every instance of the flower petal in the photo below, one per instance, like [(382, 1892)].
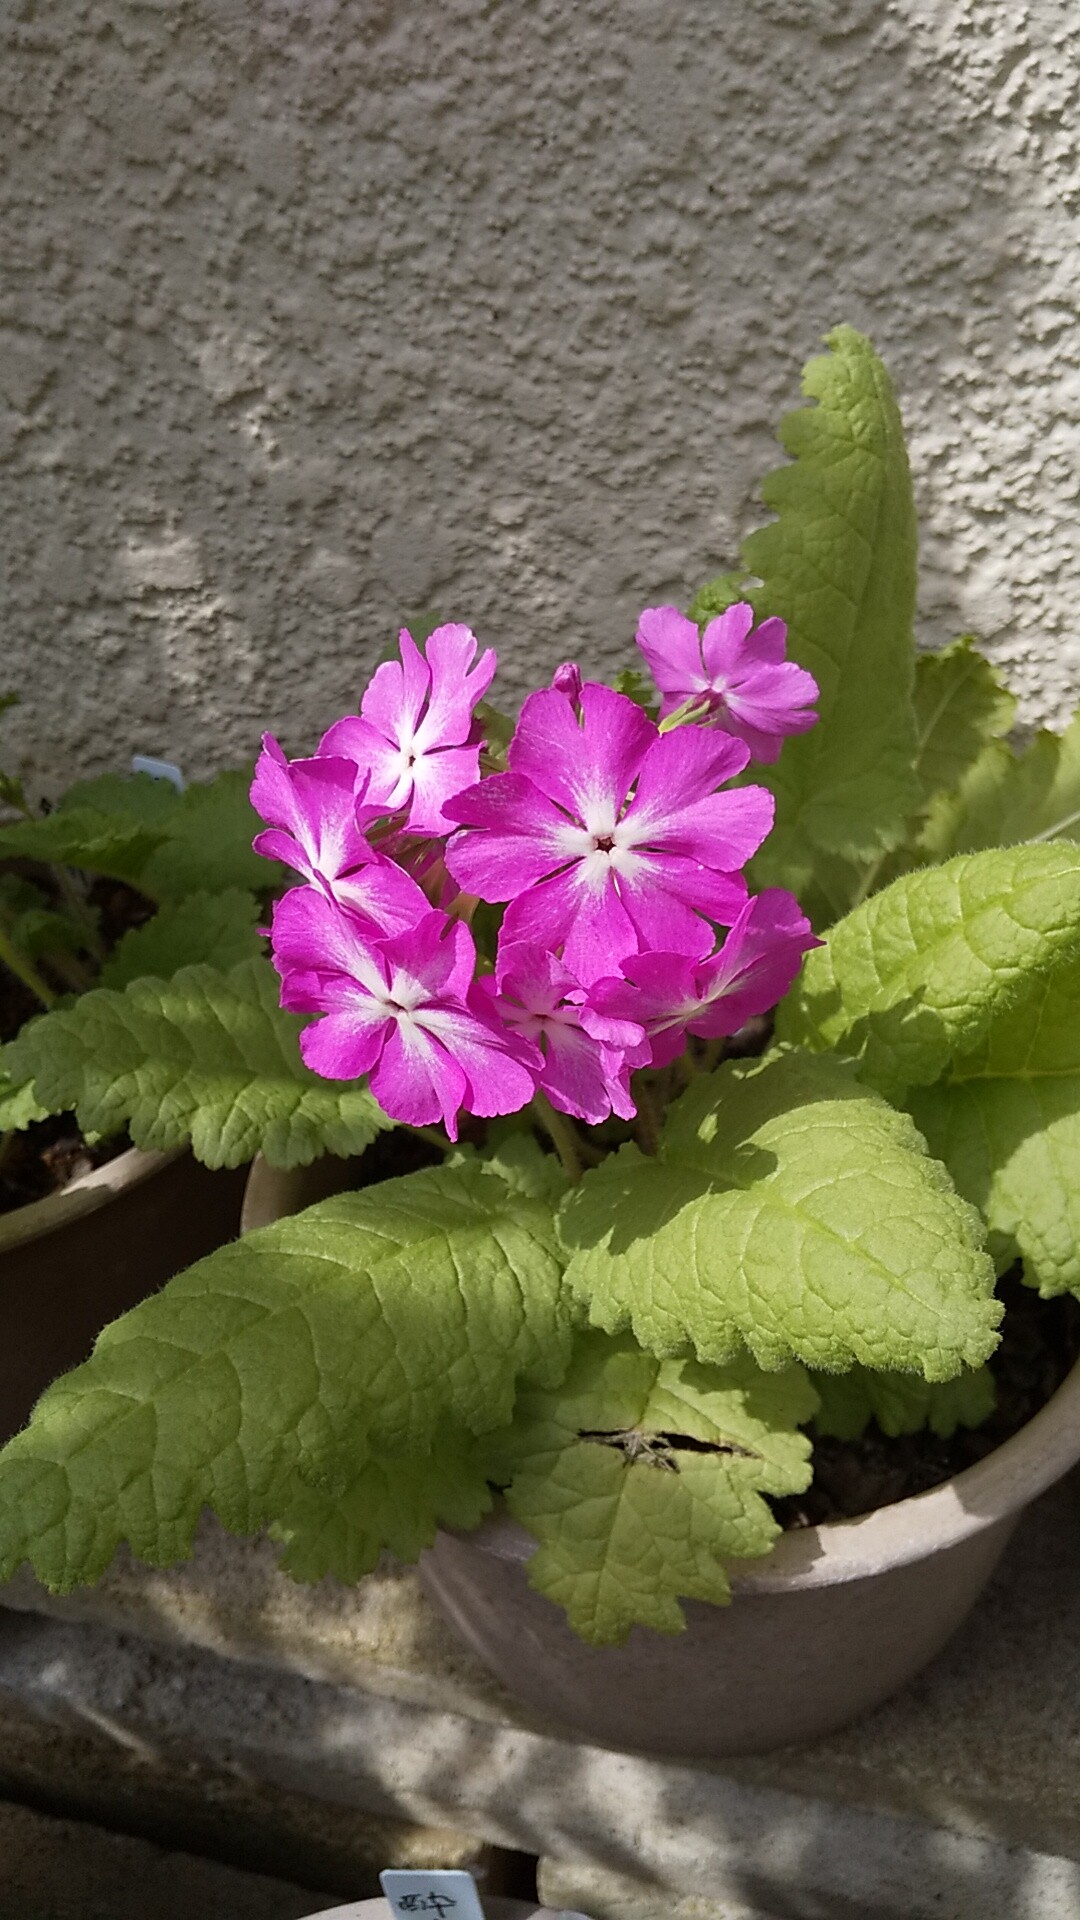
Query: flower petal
[(417, 1081), (454, 690), (521, 837), (723, 643), (342, 1047), (436, 778), (587, 766), (672, 646), (394, 696), (437, 953), (309, 933), (680, 770), (500, 1067)]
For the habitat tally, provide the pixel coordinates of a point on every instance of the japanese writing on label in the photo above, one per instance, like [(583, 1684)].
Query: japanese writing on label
[(444, 1893)]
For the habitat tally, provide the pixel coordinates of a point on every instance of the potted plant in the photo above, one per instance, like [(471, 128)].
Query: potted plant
[(123, 879), (630, 1261)]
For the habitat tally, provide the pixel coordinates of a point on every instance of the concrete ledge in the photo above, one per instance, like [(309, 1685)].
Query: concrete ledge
[(54, 1869), (962, 1796)]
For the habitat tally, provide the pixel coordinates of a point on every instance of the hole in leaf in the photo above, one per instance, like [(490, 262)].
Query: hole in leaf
[(660, 1449)]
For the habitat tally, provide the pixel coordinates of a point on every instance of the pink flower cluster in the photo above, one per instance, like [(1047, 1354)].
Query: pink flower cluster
[(615, 846)]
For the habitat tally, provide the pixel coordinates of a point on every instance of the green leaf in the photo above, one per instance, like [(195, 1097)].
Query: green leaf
[(519, 1159), (205, 1057), (202, 836), (838, 564), (496, 727), (33, 923), (1007, 1124), (136, 798), (902, 1402), (792, 1211), (12, 792), (390, 1504), (1008, 797), (923, 970), (637, 688), (716, 596), (960, 704), (371, 1319), (219, 929), (84, 837), (641, 1477), (18, 1106)]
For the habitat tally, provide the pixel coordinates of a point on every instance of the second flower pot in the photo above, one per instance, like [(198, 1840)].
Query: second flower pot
[(72, 1262)]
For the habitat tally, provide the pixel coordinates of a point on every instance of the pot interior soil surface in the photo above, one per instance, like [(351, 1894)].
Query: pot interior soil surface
[(46, 1157), (1040, 1340)]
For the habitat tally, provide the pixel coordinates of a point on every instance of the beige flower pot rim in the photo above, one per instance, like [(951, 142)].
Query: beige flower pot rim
[(995, 1488), (82, 1196)]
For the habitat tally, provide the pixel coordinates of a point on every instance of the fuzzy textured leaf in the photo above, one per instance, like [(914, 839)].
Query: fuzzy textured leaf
[(206, 1058), (202, 836), (629, 1513), (902, 1402), (960, 705), (838, 564), (1007, 1124), (792, 1211), (19, 1106), (924, 970), (33, 923), (716, 596), (390, 1504), (218, 929), (519, 1159), (373, 1318), (1007, 797), (85, 837)]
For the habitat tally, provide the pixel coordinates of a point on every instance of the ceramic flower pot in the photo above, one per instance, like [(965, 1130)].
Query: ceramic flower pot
[(825, 1627), (822, 1629), (72, 1262)]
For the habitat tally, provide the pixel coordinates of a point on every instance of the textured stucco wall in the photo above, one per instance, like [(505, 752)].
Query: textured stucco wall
[(315, 314)]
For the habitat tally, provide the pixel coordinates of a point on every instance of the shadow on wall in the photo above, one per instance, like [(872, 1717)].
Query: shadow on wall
[(313, 320)]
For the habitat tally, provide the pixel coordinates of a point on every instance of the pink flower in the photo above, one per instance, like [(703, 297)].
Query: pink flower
[(606, 837), (567, 679), (749, 688), (317, 811), (587, 1056), (402, 1010), (672, 995), (415, 736)]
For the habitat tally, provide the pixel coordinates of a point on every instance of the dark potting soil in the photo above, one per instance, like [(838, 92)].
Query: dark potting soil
[(1040, 1340), (47, 1156)]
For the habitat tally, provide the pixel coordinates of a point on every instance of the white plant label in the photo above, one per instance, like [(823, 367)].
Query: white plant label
[(158, 769), (439, 1894)]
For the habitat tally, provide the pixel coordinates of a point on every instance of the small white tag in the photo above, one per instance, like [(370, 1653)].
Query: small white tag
[(158, 769), (441, 1894)]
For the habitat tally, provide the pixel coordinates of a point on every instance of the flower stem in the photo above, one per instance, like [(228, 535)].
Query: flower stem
[(867, 883), (647, 1124), (24, 970), (562, 1134), (691, 710), (686, 1068), (431, 1134)]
